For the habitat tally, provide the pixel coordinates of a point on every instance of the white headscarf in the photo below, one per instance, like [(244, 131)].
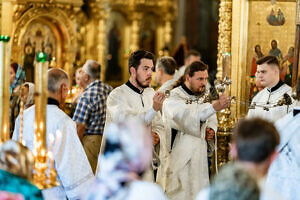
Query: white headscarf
[(30, 97)]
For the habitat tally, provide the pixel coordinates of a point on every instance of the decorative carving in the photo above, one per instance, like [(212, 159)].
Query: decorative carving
[(51, 14), (224, 40), (224, 50)]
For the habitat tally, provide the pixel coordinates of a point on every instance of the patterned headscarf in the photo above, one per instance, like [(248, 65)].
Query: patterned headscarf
[(127, 155), (19, 79), (30, 97)]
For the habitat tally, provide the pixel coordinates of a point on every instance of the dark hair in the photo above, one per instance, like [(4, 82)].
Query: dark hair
[(195, 67), (167, 64), (270, 60), (190, 70), (136, 57), (255, 139), (192, 52), (14, 66), (274, 41), (298, 89)]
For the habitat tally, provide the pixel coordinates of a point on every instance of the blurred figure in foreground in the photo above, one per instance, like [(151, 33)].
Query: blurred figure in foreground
[(127, 155), (16, 167)]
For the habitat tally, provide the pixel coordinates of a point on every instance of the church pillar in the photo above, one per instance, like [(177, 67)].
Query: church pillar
[(135, 31), (223, 69), (224, 40), (168, 32), (102, 45), (6, 18)]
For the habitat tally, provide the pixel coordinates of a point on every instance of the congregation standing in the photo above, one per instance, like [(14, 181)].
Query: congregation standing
[(133, 142)]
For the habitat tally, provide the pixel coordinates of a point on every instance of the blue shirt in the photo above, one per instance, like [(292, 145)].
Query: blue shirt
[(91, 107)]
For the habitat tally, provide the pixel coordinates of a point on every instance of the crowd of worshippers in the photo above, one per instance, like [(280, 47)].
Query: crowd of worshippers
[(133, 143)]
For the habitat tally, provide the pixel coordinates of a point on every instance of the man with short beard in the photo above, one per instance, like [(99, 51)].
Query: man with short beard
[(136, 98), (195, 125)]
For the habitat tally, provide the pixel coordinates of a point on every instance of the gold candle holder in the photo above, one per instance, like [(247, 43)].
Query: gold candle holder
[(52, 171), (225, 120), (4, 87), (40, 97)]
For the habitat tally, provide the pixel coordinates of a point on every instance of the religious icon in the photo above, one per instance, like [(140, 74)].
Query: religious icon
[(275, 51), (47, 49), (287, 67), (113, 70), (257, 55), (276, 20), (147, 36), (29, 55)]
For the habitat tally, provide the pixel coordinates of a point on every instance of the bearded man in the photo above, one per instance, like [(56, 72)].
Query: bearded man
[(193, 125), (136, 98)]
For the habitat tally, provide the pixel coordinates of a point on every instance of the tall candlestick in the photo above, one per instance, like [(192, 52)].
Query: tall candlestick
[(21, 121), (4, 87), (41, 93)]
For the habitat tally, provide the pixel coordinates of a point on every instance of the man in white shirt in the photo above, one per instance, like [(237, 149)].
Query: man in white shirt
[(193, 125), (274, 101), (136, 98), (284, 173), (73, 169), (165, 69)]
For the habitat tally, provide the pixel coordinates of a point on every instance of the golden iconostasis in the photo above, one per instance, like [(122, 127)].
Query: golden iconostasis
[(258, 23)]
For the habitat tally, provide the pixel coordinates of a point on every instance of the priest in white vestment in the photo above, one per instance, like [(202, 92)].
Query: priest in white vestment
[(165, 69), (284, 173), (73, 169), (135, 98), (194, 124), (274, 101)]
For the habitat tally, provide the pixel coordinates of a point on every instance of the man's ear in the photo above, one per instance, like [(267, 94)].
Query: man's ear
[(132, 71), (273, 156), (187, 78)]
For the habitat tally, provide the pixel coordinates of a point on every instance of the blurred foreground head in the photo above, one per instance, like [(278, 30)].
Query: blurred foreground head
[(16, 159), (127, 155)]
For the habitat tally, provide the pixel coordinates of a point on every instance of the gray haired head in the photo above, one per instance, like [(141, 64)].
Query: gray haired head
[(56, 77), (92, 68)]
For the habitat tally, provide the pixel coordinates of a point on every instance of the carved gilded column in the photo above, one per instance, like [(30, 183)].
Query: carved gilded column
[(135, 31), (102, 45), (224, 40), (6, 18), (224, 66), (168, 31)]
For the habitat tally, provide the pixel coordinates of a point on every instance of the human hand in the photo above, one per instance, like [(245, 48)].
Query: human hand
[(158, 100), (209, 134), (155, 138), (223, 102)]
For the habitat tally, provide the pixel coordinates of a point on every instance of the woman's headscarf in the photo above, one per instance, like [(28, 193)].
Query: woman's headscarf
[(127, 155), (30, 97), (19, 79)]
